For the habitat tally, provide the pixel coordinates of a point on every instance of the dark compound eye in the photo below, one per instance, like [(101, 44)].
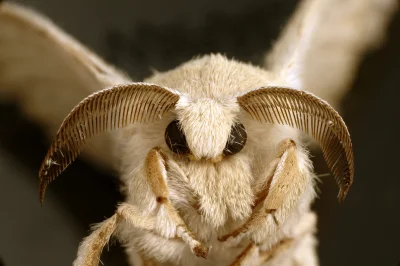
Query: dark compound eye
[(236, 140), (175, 138)]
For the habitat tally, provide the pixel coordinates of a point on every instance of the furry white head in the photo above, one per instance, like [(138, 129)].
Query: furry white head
[(207, 125)]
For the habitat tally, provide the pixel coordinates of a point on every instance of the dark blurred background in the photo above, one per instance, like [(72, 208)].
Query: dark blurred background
[(139, 35)]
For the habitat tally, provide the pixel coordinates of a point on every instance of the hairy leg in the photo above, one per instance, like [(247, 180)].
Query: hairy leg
[(155, 164), (91, 247), (301, 245), (285, 182)]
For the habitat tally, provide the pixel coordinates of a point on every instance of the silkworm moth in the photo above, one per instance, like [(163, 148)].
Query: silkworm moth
[(211, 152)]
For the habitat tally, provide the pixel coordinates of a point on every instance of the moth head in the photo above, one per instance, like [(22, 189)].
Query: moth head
[(204, 128)]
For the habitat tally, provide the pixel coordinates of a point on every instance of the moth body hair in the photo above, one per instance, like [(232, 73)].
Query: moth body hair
[(200, 206), (226, 191)]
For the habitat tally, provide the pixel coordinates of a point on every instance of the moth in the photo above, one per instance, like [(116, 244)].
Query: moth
[(211, 154)]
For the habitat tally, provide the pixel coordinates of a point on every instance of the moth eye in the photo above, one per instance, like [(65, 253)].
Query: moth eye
[(175, 139), (237, 139)]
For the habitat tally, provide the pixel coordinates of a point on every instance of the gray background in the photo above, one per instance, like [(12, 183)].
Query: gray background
[(139, 35)]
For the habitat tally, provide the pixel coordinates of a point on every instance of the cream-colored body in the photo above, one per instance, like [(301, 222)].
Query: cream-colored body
[(224, 192), (252, 208)]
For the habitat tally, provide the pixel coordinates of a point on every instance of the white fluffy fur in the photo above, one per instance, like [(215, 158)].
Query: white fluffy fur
[(224, 191), (212, 199)]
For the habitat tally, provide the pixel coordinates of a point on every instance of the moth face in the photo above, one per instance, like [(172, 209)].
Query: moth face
[(206, 129)]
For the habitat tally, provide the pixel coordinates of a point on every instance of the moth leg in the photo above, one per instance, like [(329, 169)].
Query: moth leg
[(255, 254), (91, 247), (252, 256), (267, 255), (285, 184), (247, 257), (299, 249), (156, 165)]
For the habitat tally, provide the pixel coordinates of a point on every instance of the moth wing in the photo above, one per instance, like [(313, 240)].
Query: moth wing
[(324, 42), (47, 72)]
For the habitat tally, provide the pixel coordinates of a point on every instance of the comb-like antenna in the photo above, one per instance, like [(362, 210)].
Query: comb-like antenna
[(306, 112), (105, 110)]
